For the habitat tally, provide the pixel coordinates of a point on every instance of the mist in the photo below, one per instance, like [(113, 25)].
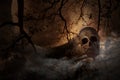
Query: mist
[(38, 67)]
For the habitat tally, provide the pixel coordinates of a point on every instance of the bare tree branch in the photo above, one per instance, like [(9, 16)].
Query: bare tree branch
[(52, 4), (81, 9), (62, 17), (20, 22), (8, 23), (108, 16), (99, 14)]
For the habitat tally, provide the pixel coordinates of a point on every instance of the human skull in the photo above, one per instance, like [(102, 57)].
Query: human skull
[(89, 42), (85, 44)]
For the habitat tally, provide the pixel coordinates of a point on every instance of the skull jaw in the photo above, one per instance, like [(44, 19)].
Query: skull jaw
[(91, 54)]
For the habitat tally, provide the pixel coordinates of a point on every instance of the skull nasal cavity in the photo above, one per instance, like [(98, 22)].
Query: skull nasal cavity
[(84, 40), (93, 39)]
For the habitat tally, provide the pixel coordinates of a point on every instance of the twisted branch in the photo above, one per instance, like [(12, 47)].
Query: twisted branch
[(99, 14), (20, 23), (8, 23), (62, 17), (81, 9)]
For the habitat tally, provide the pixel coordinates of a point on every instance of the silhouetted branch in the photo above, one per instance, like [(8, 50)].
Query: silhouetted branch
[(15, 41), (81, 9), (52, 4), (8, 23), (23, 34), (99, 14), (62, 17), (20, 22), (108, 16)]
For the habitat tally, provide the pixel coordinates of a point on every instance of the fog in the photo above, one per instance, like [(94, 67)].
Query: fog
[(105, 67), (38, 67)]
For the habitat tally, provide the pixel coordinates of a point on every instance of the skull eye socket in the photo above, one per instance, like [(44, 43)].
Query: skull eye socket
[(84, 40), (93, 39)]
